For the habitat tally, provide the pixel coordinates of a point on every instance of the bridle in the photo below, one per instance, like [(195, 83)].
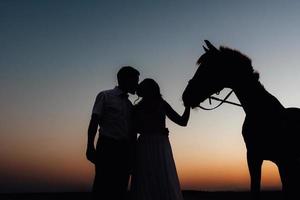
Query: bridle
[(221, 102), (217, 99)]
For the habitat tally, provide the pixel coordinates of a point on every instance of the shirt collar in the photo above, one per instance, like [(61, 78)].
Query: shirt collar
[(120, 92)]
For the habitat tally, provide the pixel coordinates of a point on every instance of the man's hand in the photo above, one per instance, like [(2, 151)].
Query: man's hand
[(91, 154), (92, 130)]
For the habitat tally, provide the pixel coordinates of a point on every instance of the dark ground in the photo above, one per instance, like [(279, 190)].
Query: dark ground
[(188, 195)]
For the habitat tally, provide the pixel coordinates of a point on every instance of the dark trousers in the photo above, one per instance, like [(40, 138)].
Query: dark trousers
[(112, 169)]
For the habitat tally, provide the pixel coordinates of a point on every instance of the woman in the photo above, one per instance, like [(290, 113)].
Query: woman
[(155, 176)]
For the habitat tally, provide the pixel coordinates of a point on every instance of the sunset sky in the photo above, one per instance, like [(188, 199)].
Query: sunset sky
[(57, 55)]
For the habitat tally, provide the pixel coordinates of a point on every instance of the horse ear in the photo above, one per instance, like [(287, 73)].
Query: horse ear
[(205, 49), (210, 46)]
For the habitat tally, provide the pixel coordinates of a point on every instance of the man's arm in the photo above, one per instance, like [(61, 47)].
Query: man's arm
[(93, 127), (92, 131)]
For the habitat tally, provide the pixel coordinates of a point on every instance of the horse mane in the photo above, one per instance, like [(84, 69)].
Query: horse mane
[(238, 62)]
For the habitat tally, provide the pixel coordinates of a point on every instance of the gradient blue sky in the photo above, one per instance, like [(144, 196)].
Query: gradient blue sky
[(55, 56)]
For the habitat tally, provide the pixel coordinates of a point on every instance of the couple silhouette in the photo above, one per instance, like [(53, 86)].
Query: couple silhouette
[(133, 141)]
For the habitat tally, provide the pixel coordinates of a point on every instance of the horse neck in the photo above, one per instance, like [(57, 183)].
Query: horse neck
[(254, 98)]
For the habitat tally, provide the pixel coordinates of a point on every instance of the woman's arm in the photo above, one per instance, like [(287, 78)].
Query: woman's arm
[(175, 117)]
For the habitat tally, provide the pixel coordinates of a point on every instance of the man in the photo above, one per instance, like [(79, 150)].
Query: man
[(112, 157)]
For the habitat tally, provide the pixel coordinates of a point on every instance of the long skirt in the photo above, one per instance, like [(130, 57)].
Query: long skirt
[(155, 176)]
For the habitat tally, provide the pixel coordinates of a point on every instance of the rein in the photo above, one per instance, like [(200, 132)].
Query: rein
[(221, 102)]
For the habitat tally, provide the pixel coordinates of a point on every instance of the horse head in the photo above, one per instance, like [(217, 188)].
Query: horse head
[(217, 69)]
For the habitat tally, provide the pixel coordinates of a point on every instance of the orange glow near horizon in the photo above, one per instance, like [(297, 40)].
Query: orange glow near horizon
[(270, 176), (70, 170), (54, 159)]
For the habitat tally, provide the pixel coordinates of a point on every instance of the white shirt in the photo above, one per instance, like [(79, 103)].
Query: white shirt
[(115, 112)]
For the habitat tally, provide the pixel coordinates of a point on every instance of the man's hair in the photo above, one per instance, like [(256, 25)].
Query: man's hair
[(126, 72)]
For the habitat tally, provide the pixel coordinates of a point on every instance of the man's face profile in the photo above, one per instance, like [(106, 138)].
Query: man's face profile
[(132, 84)]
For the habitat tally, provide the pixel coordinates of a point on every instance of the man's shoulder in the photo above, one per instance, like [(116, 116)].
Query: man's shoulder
[(109, 93)]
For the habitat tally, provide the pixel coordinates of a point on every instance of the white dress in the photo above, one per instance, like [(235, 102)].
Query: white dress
[(155, 176)]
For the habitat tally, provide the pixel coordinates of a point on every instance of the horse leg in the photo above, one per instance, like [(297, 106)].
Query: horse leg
[(289, 170), (294, 178), (283, 169), (254, 166)]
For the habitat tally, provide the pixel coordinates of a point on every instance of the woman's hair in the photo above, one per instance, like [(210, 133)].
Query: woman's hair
[(149, 90)]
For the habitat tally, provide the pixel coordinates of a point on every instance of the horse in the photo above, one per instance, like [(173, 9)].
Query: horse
[(269, 129)]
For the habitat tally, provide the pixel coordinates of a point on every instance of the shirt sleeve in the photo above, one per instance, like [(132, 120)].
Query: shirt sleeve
[(98, 105)]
